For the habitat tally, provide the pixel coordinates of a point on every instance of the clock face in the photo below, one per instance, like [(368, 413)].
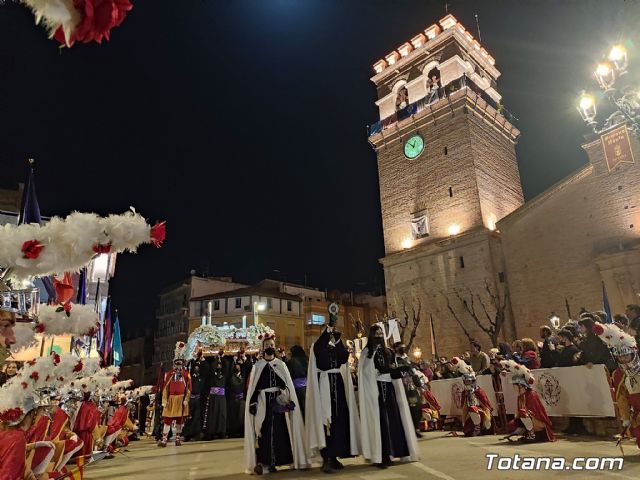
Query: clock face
[(413, 147)]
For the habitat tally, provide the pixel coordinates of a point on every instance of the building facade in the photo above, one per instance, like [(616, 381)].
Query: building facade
[(459, 239), (448, 173), (174, 311)]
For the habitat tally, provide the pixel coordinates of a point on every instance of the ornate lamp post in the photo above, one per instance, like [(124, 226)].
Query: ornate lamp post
[(618, 89)]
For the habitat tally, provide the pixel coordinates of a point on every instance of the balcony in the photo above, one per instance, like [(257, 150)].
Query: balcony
[(435, 96)]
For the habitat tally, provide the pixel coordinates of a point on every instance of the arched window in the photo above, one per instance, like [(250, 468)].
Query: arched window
[(402, 98), (433, 79)]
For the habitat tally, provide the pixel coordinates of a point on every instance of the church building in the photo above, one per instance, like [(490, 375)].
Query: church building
[(459, 240)]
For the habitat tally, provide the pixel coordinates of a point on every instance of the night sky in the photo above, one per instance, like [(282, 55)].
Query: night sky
[(242, 123)]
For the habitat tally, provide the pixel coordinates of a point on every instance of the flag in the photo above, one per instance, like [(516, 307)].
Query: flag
[(105, 348), (118, 354), (30, 211), (605, 304), (81, 299), (434, 349)]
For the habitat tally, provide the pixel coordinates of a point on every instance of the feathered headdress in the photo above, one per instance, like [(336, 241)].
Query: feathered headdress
[(266, 336), (180, 352), (620, 342), (463, 368), (519, 373)]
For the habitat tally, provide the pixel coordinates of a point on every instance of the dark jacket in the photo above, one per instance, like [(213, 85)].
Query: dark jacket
[(547, 356), (566, 357), (595, 351)]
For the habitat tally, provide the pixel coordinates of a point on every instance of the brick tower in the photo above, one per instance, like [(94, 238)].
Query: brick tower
[(448, 172)]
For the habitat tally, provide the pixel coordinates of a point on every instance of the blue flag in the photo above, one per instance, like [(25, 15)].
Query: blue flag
[(81, 299), (118, 354), (605, 304)]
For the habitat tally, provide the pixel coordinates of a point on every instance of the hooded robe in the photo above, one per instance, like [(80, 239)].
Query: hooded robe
[(257, 434), (382, 400), (331, 419)]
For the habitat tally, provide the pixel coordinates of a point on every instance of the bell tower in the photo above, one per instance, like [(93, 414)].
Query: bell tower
[(445, 147)]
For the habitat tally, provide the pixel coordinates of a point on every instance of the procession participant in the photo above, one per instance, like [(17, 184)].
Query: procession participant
[(215, 413), (331, 421), (60, 428), (413, 382), (176, 392), (298, 366), (531, 421), (151, 410), (14, 449), (273, 427), (198, 373), (87, 420), (44, 454), (430, 409), (385, 418), (116, 424), (476, 406), (235, 402), (626, 377)]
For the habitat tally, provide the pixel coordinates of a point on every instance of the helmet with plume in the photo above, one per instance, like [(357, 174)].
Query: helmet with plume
[(520, 375)]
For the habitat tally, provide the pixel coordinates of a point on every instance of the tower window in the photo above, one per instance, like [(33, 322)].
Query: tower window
[(461, 262), (451, 191), (238, 302), (501, 277), (402, 99), (446, 150)]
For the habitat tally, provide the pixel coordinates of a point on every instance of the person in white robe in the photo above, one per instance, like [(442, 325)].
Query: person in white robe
[(274, 428), (385, 419)]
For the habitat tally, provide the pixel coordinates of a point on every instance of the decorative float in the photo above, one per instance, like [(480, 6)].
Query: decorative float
[(211, 340)]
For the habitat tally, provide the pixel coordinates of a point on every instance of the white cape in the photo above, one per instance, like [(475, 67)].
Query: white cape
[(318, 413), (253, 423), (370, 412)]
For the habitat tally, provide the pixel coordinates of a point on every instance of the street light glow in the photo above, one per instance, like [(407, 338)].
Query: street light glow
[(454, 229), (261, 307), (406, 243), (617, 53), (586, 102)]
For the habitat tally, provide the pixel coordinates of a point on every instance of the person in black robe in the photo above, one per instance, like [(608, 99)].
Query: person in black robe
[(236, 402), (198, 371), (215, 415), (394, 441), (298, 365), (274, 444), (331, 354)]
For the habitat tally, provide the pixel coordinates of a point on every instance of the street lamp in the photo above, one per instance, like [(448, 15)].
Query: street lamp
[(417, 354), (257, 307), (617, 90)]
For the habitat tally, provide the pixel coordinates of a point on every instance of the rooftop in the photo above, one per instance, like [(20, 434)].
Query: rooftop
[(259, 291)]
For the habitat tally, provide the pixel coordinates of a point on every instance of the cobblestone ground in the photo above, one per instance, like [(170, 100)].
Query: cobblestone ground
[(443, 457)]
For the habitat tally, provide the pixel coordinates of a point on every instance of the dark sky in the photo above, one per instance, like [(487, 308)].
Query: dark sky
[(242, 123)]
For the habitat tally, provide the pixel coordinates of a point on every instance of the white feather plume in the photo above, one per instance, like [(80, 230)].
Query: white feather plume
[(68, 242), (25, 337), (54, 14), (81, 320)]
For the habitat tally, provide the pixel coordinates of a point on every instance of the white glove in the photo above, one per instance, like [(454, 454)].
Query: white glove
[(185, 403), (626, 423)]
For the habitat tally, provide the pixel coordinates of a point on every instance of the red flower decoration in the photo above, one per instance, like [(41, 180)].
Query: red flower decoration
[(67, 308), (114, 380), (99, 248), (56, 358), (454, 360), (31, 363), (24, 385), (92, 331), (531, 381), (598, 329), (61, 379), (78, 367), (11, 415), (517, 367), (31, 249), (39, 328), (98, 18), (158, 234), (181, 344), (621, 337), (35, 376)]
